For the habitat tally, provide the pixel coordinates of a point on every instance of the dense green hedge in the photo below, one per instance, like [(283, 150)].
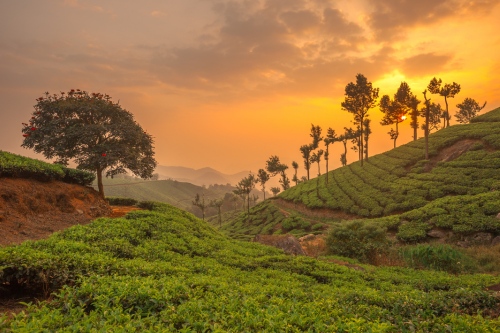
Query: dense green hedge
[(167, 271), (12, 165), (118, 201)]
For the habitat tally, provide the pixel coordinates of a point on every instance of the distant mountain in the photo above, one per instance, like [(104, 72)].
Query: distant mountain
[(204, 176)]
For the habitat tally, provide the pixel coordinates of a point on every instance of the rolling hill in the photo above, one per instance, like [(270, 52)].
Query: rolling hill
[(166, 271), (204, 176), (456, 191)]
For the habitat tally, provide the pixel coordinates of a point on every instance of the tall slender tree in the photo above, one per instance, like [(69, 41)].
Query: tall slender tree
[(360, 97), (275, 167), (262, 178), (316, 158), (217, 203), (200, 203), (295, 167), (467, 110), (331, 137), (414, 114), (316, 136), (427, 103), (448, 90), (306, 155), (395, 110), (366, 132), (245, 186)]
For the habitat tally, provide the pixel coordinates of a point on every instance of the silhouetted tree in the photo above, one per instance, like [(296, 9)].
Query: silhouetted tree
[(200, 203), (316, 158), (467, 110), (366, 132), (316, 135), (331, 137), (435, 115), (295, 166), (275, 167), (91, 130), (275, 190), (306, 155), (217, 203), (262, 178), (245, 186), (447, 91), (414, 114), (425, 126), (349, 134), (395, 110), (359, 99)]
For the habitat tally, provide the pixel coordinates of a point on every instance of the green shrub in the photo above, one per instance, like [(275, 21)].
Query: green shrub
[(357, 239), (118, 201), (437, 257)]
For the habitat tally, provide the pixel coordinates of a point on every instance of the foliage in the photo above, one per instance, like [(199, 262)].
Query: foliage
[(275, 167), (357, 239), (360, 97), (91, 130), (12, 165), (438, 257), (119, 201), (467, 110), (164, 270), (448, 90)]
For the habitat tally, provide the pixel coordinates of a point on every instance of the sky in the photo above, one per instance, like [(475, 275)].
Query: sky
[(228, 83)]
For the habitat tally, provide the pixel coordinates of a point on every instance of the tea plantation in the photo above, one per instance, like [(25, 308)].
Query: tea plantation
[(457, 189), (164, 270)]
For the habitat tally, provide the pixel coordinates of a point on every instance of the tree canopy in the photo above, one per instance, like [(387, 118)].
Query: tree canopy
[(467, 110), (448, 90), (91, 130), (360, 97)]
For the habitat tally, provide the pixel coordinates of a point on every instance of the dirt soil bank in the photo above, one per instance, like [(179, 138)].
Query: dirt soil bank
[(31, 210)]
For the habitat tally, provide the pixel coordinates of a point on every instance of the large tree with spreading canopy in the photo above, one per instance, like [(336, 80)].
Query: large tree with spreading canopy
[(92, 131)]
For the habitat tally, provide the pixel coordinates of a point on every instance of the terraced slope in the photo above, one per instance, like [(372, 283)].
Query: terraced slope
[(457, 188), (167, 271)]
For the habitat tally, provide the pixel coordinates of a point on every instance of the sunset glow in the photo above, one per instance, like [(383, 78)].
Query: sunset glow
[(228, 83)]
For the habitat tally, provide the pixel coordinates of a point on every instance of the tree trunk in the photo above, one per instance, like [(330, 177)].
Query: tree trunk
[(99, 182), (248, 202), (220, 216), (326, 159), (361, 141), (415, 133), (447, 118), (397, 133)]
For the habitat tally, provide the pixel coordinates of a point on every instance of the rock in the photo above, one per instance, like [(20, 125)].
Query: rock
[(288, 243), (482, 238), (495, 241), (437, 233), (498, 216), (79, 211), (307, 238)]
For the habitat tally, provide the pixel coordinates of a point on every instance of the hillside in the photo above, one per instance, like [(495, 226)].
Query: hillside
[(455, 192), (176, 193), (166, 271), (204, 176), (38, 198)]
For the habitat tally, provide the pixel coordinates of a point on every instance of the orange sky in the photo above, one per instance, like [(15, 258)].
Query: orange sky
[(228, 83)]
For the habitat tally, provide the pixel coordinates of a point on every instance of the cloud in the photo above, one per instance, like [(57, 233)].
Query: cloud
[(425, 64), (392, 18), (157, 13)]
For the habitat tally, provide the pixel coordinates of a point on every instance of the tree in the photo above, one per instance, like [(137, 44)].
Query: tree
[(447, 91), (245, 186), (359, 99), (91, 130), (295, 166), (467, 110), (395, 110), (217, 203), (200, 203), (306, 155), (367, 131), (414, 114), (316, 158), (425, 126), (262, 178), (331, 137), (435, 114), (316, 135), (275, 190), (349, 134), (275, 167)]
